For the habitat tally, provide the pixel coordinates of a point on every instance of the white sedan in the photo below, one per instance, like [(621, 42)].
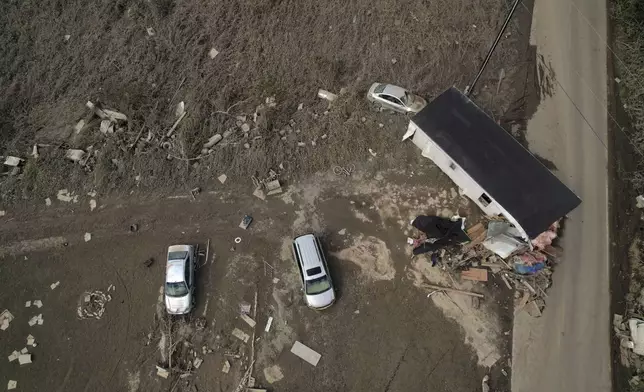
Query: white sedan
[(395, 98), (180, 279)]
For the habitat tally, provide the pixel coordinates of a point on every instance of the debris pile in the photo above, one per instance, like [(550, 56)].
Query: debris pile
[(92, 304), (267, 186), (5, 318), (499, 249)]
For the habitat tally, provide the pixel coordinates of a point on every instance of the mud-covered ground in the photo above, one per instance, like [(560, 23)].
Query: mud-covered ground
[(144, 57), (382, 333)]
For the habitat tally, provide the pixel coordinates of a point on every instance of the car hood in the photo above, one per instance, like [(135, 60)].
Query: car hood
[(178, 305), (322, 300)]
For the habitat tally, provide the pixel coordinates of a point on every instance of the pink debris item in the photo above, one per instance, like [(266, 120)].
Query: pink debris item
[(544, 239)]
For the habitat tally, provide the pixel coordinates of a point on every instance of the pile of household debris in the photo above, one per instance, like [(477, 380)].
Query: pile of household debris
[(499, 248), (92, 304)]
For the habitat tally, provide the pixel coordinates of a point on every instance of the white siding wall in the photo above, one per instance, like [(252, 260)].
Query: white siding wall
[(462, 179)]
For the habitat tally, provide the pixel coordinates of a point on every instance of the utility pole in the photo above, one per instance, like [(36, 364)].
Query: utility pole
[(470, 88)]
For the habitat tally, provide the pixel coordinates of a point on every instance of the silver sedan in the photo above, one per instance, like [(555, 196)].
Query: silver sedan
[(395, 98)]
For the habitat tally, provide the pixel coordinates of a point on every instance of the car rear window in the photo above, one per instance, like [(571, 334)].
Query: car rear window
[(313, 271), (177, 255)]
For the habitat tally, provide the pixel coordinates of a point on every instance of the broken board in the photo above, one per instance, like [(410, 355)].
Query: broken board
[(306, 353), (478, 274)]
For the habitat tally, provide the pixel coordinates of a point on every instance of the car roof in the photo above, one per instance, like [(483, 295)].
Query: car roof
[(395, 91), (175, 271), (309, 254)]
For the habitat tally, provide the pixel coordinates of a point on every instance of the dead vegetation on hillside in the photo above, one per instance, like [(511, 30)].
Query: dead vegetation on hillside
[(144, 57)]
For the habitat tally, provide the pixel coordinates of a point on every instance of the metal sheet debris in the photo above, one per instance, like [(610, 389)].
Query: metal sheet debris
[(161, 372), (197, 362), (24, 359), (268, 324), (248, 320), (273, 374), (13, 161), (241, 335), (74, 155), (306, 353), (5, 318)]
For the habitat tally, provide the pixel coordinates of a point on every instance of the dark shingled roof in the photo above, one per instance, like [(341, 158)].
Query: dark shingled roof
[(504, 168)]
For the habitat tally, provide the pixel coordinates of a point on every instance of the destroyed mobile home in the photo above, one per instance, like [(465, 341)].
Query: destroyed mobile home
[(522, 198)]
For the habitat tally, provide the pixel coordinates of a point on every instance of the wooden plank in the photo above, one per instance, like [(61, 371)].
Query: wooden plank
[(306, 353), (478, 274), (470, 293)]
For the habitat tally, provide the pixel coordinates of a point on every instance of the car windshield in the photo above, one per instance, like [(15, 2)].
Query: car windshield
[(176, 289), (177, 255), (317, 286)]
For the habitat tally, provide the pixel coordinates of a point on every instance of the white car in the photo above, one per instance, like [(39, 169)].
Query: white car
[(316, 281), (395, 98), (180, 279)]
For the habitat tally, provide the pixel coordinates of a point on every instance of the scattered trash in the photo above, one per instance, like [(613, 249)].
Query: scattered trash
[(329, 96), (276, 280), (268, 324), (36, 320), (150, 31), (180, 109), (222, 178), (640, 201), (213, 53), (259, 193), (54, 285), (273, 187), (13, 161), (197, 362), (149, 262), (244, 308), (241, 335), (248, 320), (12, 385), (238, 240), (394, 61), (24, 359), (38, 303), (27, 304), (306, 353), (373, 153), (618, 80), (106, 127), (3, 213), (161, 372), (66, 196), (484, 385), (87, 237), (342, 232), (31, 341), (245, 222), (478, 274), (5, 318), (344, 171), (273, 374), (216, 138), (226, 368), (92, 305)]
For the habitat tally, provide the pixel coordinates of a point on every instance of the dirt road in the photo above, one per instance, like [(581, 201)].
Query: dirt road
[(568, 348)]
